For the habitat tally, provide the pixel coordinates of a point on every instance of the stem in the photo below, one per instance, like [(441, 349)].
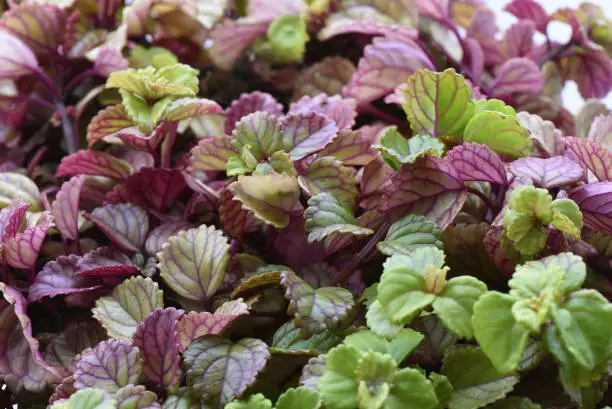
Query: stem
[(482, 197), (41, 102), (48, 82), (78, 79), (31, 275), (369, 109), (553, 54), (350, 267), (36, 160), (72, 141), (5, 273), (166, 147)]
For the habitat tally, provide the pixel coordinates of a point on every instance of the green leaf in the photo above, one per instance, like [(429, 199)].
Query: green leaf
[(403, 289), (15, 186), (498, 333), (178, 80), (219, 370), (502, 133), (514, 402), (495, 105), (288, 340), (374, 375), (443, 388), (327, 174), (243, 163), (567, 217), (398, 347), (281, 163), (193, 262), (184, 399), (317, 310), (88, 398), (298, 398), (409, 233), (438, 104), (411, 390), (454, 305), (530, 278), (259, 131), (397, 151), (141, 57), (476, 382), (338, 385), (288, 37), (257, 401), (584, 327), (145, 115), (377, 321)]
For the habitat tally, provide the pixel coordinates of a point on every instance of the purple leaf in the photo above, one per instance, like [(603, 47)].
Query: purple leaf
[(350, 148), (386, 63), (63, 390), (260, 131), (160, 235), (125, 224), (110, 365), (548, 173), (529, 10), (498, 252), (109, 60), (342, 111), (303, 134), (517, 75), (595, 202), (477, 162), (105, 262), (136, 397), (219, 370), (197, 324), (250, 103), (592, 157), (265, 11), (375, 180), (476, 58), (231, 38), (128, 305), (66, 208), (21, 251), (432, 188), (135, 138), (17, 59), (236, 220), (158, 339), (193, 262), (518, 40), (292, 247), (312, 372), (325, 77), (94, 163), (211, 153), (601, 131), (590, 68)]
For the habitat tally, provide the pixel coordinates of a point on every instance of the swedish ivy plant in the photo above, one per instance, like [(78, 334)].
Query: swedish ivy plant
[(303, 204)]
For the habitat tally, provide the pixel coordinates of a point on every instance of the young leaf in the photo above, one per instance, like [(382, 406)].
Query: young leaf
[(108, 122), (158, 339), (502, 133), (438, 104), (125, 224), (327, 175), (219, 370), (594, 202), (399, 347), (17, 58), (94, 163), (565, 271), (410, 233), (66, 208), (517, 75), (88, 398), (160, 235), (548, 173), (15, 186), (303, 134), (212, 153), (193, 262), (342, 111), (287, 36), (475, 380), (260, 132), (478, 163), (129, 304), (178, 80), (337, 386), (257, 401), (399, 151), (250, 103), (298, 398), (136, 397), (288, 340), (111, 365)]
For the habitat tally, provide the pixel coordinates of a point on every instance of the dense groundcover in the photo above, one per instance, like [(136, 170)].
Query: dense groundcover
[(303, 204)]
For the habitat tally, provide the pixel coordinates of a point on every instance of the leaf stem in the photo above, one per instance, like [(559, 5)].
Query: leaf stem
[(72, 142), (366, 251), (379, 113), (482, 197), (78, 79)]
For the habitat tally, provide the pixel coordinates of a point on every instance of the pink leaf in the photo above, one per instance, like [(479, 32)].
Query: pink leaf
[(591, 156), (66, 208), (135, 138), (476, 162), (232, 38), (432, 188), (125, 224), (107, 122), (342, 111), (105, 262), (158, 339), (366, 27), (94, 163), (22, 250), (595, 202), (303, 134), (184, 108), (16, 59), (263, 10), (518, 39), (249, 103), (601, 131), (548, 173), (529, 10), (108, 61), (11, 219), (590, 68), (376, 179), (517, 75), (160, 235)]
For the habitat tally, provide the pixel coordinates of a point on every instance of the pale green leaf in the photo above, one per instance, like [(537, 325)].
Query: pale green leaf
[(410, 233), (257, 401), (411, 390), (298, 398), (397, 151), (288, 36), (502, 133), (338, 386)]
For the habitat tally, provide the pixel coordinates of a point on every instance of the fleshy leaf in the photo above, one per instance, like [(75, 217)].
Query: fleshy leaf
[(399, 151), (236, 220), (475, 380), (600, 130), (184, 108), (110, 365), (325, 77), (398, 347), (330, 221), (259, 131), (410, 233), (342, 111), (517, 75), (439, 195), (22, 250), (220, 370), (17, 58), (270, 197), (250, 103), (502, 133), (15, 186), (548, 173), (193, 262), (66, 208), (438, 104), (594, 158), (158, 339), (478, 163), (312, 371), (327, 175), (129, 304), (316, 310), (337, 385), (547, 139), (350, 148), (212, 153), (105, 262), (287, 36), (288, 340), (514, 402), (595, 204), (125, 224), (196, 324), (94, 163), (136, 397)]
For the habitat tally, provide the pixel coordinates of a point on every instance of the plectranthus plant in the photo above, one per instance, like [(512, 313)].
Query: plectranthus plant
[(303, 204)]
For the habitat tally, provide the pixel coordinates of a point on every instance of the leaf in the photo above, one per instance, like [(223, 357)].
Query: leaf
[(529, 10), (257, 401), (327, 175), (184, 108), (475, 381), (517, 75), (177, 80), (410, 233), (88, 398), (231, 39), (601, 127), (298, 398), (475, 162), (589, 67), (125, 224), (340, 110), (411, 389), (565, 271), (193, 262), (287, 36), (270, 197), (398, 151), (594, 158), (236, 220), (260, 132), (386, 63), (136, 397), (439, 195), (594, 202), (548, 173), (587, 116), (330, 221), (160, 235), (327, 76), (514, 402), (502, 133), (438, 104), (108, 60), (399, 347), (110, 365), (437, 340), (94, 163), (378, 322), (249, 103), (312, 372), (66, 208), (129, 304), (303, 134), (316, 310), (17, 58), (158, 339), (220, 370), (15, 186), (107, 122), (22, 250), (197, 324), (350, 148), (337, 386), (288, 340), (211, 153), (545, 136), (500, 336), (354, 11), (105, 262)]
